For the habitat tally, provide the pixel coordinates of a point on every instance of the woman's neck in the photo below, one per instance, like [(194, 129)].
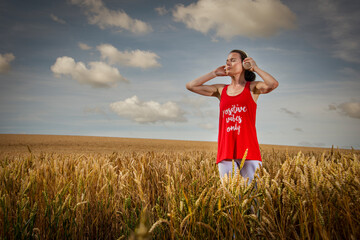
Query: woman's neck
[(238, 79)]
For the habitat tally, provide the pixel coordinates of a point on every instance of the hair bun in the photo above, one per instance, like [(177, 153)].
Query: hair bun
[(249, 76)]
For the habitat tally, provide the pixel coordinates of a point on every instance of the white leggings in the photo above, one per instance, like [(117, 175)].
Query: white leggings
[(248, 170)]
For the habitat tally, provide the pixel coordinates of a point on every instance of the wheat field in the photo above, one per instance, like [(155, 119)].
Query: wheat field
[(67, 187)]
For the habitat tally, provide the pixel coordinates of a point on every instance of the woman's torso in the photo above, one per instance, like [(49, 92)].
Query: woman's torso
[(237, 131)]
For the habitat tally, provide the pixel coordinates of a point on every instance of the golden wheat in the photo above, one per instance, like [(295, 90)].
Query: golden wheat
[(177, 194)]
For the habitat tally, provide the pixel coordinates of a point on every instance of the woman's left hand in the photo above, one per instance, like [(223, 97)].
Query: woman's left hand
[(252, 63)]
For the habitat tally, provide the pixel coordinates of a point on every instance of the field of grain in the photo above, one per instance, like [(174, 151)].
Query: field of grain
[(57, 187)]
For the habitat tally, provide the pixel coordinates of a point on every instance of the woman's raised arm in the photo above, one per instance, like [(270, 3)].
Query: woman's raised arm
[(197, 85)]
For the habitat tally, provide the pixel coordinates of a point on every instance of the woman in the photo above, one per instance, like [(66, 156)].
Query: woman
[(237, 132)]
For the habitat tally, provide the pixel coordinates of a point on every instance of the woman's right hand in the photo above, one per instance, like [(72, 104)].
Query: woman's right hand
[(220, 71)]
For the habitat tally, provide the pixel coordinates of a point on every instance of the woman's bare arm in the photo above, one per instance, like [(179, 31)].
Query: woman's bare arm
[(268, 84), (197, 85)]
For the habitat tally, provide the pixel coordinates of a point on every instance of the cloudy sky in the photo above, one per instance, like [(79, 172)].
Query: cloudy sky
[(119, 68)]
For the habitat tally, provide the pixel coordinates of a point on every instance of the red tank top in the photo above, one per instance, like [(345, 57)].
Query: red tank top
[(237, 130)]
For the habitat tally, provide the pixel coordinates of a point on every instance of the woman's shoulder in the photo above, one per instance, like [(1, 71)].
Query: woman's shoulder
[(219, 88)]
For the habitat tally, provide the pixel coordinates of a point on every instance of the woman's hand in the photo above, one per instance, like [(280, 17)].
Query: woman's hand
[(252, 63), (220, 71)]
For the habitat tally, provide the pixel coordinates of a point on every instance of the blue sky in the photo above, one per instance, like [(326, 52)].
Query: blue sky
[(119, 68)]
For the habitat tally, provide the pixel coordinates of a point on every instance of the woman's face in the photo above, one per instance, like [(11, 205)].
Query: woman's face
[(233, 64)]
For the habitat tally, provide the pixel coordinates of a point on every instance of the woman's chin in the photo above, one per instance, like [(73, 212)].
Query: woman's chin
[(231, 73)]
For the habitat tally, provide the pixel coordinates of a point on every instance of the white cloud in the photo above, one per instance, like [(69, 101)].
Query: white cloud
[(135, 58), (229, 18), (57, 19), (148, 112), (350, 109), (100, 15), (343, 26), (98, 75), (5, 60), (161, 11), (84, 46)]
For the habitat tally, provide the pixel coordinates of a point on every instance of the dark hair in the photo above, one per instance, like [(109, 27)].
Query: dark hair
[(249, 75)]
